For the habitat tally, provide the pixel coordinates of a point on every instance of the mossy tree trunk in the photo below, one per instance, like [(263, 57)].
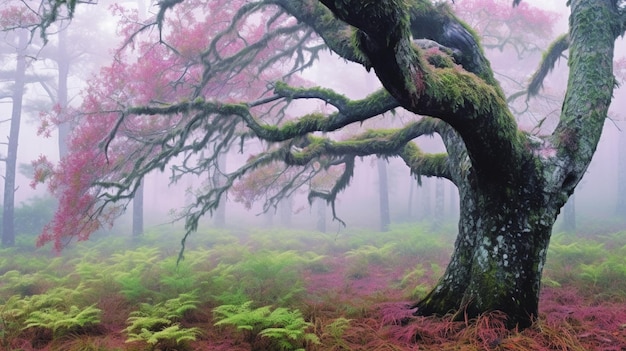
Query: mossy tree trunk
[(504, 231)]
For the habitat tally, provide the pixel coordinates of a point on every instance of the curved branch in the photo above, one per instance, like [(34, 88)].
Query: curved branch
[(391, 142), (549, 60), (470, 102), (589, 94), (340, 184), (349, 111), (337, 35), (429, 165)]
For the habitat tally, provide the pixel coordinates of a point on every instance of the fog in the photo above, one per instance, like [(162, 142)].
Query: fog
[(595, 197)]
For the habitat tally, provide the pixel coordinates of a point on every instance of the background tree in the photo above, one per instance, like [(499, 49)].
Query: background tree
[(512, 184), (18, 40), (19, 83)]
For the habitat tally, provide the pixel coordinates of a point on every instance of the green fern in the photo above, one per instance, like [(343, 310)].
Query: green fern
[(374, 254), (26, 284), (158, 324), (176, 277), (62, 322), (565, 250), (167, 337), (332, 334), (264, 276), (12, 316), (285, 328), (129, 269)]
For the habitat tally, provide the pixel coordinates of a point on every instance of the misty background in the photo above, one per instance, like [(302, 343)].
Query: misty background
[(89, 43)]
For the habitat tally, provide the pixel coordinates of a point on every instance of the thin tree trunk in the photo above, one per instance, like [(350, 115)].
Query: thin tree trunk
[(321, 215), (410, 205), (426, 199), (383, 195), (63, 64), (620, 208), (569, 215), (285, 206), (453, 206), (138, 212), (8, 213), (439, 204), (219, 215)]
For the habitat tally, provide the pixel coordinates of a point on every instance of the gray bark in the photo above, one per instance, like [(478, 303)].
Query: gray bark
[(8, 213)]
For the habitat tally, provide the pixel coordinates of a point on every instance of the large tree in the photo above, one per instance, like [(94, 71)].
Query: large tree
[(511, 184)]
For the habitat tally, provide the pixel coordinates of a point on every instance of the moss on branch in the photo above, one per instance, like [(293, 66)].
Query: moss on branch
[(384, 142), (349, 111), (548, 62), (421, 164)]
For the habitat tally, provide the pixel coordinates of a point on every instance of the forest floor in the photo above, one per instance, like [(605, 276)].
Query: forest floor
[(288, 290)]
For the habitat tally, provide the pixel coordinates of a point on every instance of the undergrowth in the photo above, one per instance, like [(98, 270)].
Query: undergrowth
[(311, 291)]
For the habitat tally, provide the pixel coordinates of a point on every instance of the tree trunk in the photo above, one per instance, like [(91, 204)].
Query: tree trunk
[(453, 206), (8, 212), (63, 64), (138, 212), (219, 215), (410, 205), (321, 215), (504, 231), (425, 199), (285, 206), (383, 195), (439, 204), (620, 208), (569, 215)]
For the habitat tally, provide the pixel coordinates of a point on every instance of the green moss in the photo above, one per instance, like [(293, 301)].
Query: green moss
[(462, 90), (312, 121)]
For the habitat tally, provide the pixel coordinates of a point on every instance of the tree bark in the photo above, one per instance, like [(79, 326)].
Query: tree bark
[(499, 253), (8, 211)]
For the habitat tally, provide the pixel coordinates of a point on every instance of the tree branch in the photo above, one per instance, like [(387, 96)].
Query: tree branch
[(471, 103), (548, 62), (589, 93)]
